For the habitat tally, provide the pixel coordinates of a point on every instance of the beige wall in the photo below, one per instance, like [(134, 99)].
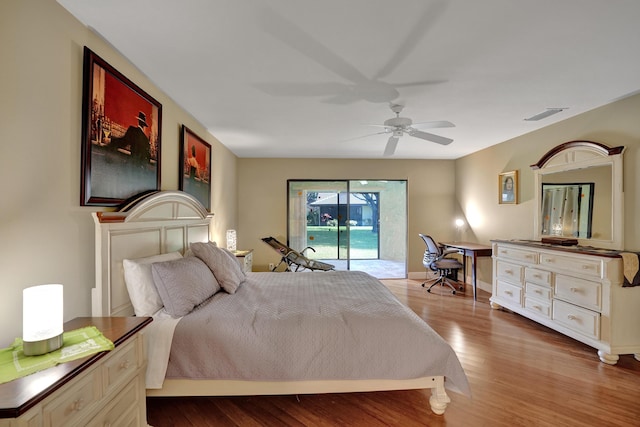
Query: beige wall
[(45, 236), (262, 202)]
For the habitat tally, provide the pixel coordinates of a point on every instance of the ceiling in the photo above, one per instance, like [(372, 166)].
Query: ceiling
[(308, 78)]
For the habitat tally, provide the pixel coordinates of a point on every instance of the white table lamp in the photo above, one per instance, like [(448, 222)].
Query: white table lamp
[(231, 240), (42, 319)]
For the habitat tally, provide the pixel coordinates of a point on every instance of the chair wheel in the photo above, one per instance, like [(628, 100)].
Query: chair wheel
[(429, 290), (453, 292), (423, 285)]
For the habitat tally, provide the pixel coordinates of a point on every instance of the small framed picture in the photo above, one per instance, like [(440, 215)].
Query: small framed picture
[(508, 188), (120, 136), (195, 167)]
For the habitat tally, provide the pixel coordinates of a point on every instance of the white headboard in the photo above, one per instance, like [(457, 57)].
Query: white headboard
[(155, 223)]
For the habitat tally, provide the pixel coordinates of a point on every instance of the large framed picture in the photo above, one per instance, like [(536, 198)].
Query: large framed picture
[(121, 127), (195, 166), (508, 187)]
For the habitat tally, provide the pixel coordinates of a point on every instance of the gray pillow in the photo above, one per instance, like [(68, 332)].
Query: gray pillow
[(183, 284), (222, 263)]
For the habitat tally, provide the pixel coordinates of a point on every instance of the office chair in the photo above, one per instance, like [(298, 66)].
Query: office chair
[(434, 259)]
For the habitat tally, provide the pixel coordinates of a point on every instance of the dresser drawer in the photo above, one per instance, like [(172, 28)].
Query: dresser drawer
[(120, 407), (121, 366), (508, 271), (537, 306), (537, 276), (75, 403), (540, 292), (578, 319), (524, 255), (583, 265), (577, 291), (508, 292)]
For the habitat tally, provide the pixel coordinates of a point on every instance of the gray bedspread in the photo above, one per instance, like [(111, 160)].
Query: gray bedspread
[(310, 326)]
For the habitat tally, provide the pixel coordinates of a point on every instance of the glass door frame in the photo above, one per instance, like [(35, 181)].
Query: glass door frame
[(390, 209)]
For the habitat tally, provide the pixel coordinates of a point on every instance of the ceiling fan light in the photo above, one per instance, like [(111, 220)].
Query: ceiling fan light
[(548, 112)]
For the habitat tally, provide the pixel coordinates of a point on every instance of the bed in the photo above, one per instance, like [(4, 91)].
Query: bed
[(274, 333)]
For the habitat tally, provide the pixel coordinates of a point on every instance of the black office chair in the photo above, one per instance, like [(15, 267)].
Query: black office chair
[(434, 259)]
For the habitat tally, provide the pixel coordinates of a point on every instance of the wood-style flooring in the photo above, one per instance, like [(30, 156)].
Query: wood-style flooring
[(521, 374)]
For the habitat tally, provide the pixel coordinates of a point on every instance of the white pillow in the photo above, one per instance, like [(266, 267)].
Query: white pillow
[(223, 264), (142, 292)]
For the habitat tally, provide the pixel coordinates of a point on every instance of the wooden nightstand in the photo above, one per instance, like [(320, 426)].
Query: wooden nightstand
[(245, 258), (106, 388)]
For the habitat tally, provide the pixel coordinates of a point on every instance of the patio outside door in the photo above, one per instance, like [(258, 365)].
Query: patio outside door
[(354, 225)]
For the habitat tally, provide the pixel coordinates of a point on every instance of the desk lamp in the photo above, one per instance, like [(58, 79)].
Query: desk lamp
[(459, 225)]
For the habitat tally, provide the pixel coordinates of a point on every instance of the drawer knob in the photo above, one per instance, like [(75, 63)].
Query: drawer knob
[(509, 293), (537, 276), (77, 405), (537, 307), (125, 364), (587, 267), (508, 271), (574, 290), (571, 317)]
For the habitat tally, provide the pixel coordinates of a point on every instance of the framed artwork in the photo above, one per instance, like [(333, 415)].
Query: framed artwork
[(508, 187), (121, 127), (195, 166)]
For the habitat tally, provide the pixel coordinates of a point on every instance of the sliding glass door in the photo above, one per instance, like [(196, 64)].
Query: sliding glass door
[(355, 225)]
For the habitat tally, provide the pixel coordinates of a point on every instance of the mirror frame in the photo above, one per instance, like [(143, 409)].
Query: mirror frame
[(575, 155)]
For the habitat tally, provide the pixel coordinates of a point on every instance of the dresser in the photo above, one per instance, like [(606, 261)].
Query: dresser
[(576, 291), (103, 389)]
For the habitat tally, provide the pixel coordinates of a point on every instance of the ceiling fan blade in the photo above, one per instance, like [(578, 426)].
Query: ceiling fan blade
[(295, 37), (435, 124), (301, 89), (426, 21), (430, 137), (363, 136), (348, 97), (391, 146)]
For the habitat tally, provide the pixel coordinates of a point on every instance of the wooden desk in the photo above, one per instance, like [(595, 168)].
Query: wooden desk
[(472, 250)]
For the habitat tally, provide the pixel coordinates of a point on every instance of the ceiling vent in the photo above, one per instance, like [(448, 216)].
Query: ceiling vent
[(548, 112)]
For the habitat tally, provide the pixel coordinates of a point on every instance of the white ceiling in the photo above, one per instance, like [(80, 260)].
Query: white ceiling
[(288, 79)]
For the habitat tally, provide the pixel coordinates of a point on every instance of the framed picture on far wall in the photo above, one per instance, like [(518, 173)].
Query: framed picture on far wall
[(120, 136), (508, 187), (195, 165)]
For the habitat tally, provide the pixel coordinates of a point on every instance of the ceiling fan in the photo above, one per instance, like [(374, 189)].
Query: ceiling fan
[(354, 85), (398, 126)]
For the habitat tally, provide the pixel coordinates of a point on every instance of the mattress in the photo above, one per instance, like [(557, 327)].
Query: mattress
[(309, 326)]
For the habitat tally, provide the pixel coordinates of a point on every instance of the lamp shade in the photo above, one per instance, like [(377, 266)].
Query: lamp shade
[(231, 240), (42, 319)]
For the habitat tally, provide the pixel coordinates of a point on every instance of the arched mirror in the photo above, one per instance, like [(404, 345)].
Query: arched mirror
[(579, 194)]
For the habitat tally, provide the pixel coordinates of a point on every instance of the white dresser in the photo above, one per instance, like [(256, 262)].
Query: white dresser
[(576, 291), (103, 389)]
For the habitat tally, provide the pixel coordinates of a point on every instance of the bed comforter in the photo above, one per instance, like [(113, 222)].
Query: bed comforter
[(309, 326)]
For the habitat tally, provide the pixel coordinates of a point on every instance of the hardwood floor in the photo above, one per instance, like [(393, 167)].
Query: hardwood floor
[(521, 374)]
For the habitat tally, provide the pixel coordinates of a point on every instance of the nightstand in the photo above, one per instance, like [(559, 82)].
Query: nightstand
[(106, 388), (245, 258)]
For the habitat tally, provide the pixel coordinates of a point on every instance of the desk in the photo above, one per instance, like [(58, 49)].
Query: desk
[(473, 250)]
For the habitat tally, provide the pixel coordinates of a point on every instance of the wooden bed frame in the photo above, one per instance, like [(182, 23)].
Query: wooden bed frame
[(168, 221)]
